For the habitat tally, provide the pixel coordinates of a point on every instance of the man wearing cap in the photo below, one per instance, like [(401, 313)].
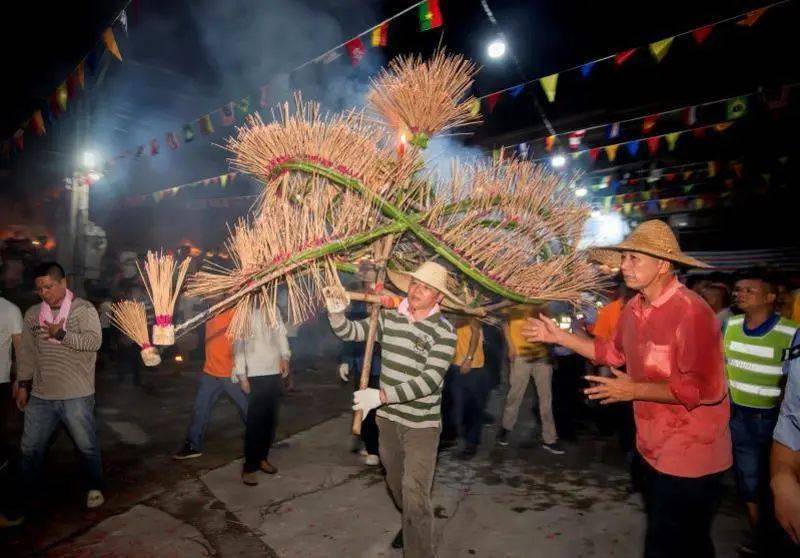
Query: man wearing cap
[(670, 343), (417, 346)]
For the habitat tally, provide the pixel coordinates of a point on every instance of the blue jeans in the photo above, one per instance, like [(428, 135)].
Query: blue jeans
[(469, 401), (751, 433), (209, 390), (42, 416)]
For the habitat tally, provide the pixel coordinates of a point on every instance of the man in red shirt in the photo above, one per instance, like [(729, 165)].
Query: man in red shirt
[(670, 343)]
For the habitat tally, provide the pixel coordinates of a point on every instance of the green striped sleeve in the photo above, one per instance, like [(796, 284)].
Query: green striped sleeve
[(432, 376), (348, 330)]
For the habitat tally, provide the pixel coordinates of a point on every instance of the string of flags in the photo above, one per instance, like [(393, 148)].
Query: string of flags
[(430, 17), (56, 103), (658, 50), (222, 180)]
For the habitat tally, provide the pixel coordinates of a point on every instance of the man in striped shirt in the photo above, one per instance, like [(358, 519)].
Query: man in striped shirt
[(417, 346), (753, 344), (60, 340)]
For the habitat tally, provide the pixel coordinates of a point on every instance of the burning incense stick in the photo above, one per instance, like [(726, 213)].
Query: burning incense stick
[(163, 286)]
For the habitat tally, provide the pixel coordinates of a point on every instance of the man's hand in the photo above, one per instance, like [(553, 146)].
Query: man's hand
[(22, 397), (466, 366), (53, 329), (538, 330), (244, 383), (344, 372), (336, 299), (283, 368), (365, 400), (612, 390), (786, 490)]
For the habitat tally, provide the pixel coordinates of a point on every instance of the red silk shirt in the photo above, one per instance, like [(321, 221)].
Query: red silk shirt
[(676, 340)]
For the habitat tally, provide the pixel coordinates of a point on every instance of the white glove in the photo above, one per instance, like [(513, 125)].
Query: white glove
[(344, 371), (336, 299), (365, 400)]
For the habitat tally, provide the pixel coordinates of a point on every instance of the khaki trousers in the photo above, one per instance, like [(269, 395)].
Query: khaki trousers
[(542, 373), (409, 457)]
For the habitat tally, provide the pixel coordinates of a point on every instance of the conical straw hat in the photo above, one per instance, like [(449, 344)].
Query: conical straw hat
[(654, 238), (431, 273)]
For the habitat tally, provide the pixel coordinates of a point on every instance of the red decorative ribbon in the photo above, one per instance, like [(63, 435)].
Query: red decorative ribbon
[(164, 320), (146, 346)]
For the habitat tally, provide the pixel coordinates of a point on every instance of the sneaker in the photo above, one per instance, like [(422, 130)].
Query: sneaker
[(372, 460), (187, 452), (94, 499), (397, 541), (555, 448), (8, 520), (250, 478), (362, 452), (267, 467), (502, 437)]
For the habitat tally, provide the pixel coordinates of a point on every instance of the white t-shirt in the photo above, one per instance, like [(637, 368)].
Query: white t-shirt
[(10, 324)]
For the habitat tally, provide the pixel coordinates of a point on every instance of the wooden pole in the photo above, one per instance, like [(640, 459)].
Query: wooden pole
[(382, 252)]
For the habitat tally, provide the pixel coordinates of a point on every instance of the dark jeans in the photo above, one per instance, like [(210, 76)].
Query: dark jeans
[(449, 423), (679, 514), (469, 401), (42, 416), (751, 433), (567, 396), (262, 419), (208, 391)]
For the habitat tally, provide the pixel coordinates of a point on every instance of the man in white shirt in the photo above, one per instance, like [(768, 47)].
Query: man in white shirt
[(10, 335), (260, 363)]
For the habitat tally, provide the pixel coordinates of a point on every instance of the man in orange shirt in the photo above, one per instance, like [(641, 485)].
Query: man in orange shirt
[(215, 379)]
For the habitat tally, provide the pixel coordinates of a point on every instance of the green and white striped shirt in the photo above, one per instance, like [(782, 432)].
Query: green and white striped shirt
[(414, 359)]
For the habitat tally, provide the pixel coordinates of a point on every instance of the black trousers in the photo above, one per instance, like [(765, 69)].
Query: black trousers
[(679, 514), (262, 419)]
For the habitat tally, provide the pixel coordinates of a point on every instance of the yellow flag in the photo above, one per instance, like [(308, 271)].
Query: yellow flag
[(223, 180), (611, 152), (672, 139), (475, 107), (722, 126), (61, 96), (660, 48), (549, 86), (111, 43)]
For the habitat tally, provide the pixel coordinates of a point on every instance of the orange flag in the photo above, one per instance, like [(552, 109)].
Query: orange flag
[(111, 43), (38, 123), (61, 96), (752, 17)]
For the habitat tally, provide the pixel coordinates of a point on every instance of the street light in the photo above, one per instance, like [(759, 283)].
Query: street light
[(496, 49), (558, 161), (89, 159), (580, 192)]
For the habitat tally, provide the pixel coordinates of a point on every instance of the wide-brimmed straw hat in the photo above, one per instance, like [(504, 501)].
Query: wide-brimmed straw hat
[(654, 238), (431, 273)]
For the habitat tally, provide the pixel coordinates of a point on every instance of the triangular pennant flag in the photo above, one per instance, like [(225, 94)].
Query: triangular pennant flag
[(154, 146), (111, 44), (522, 149), (606, 202), (672, 139), (227, 115), (611, 152), (700, 133), (61, 97), (647, 194), (223, 180), (19, 139), (700, 35), (722, 126), (689, 116), (491, 100), (188, 133), (659, 49), (575, 139), (593, 153), (613, 130), (380, 35), (767, 177), (355, 50), (687, 174), (737, 169), (670, 176), (430, 15), (752, 17), (72, 85), (632, 147), (123, 20), (622, 57), (653, 144), (688, 188), (626, 208), (172, 141), (548, 84), (729, 182), (664, 204), (78, 73), (549, 141), (475, 107), (736, 108), (648, 123), (37, 123), (264, 100), (586, 69), (243, 106), (712, 169), (206, 127), (515, 91)]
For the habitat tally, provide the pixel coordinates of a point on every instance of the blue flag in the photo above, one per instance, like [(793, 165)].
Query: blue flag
[(515, 91), (632, 147), (586, 69)]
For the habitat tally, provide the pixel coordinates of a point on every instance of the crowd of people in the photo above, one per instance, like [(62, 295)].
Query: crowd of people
[(696, 374)]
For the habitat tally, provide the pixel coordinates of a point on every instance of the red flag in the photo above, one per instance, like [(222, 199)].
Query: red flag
[(700, 133), (700, 35), (752, 17), (172, 140), (649, 123), (669, 177), (653, 144), (37, 123), (621, 57), (594, 153), (154, 146), (355, 50), (549, 141), (575, 139), (380, 35), (491, 100)]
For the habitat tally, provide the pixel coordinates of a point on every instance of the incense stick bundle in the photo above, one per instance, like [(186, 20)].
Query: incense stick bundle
[(130, 317), (163, 278)]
